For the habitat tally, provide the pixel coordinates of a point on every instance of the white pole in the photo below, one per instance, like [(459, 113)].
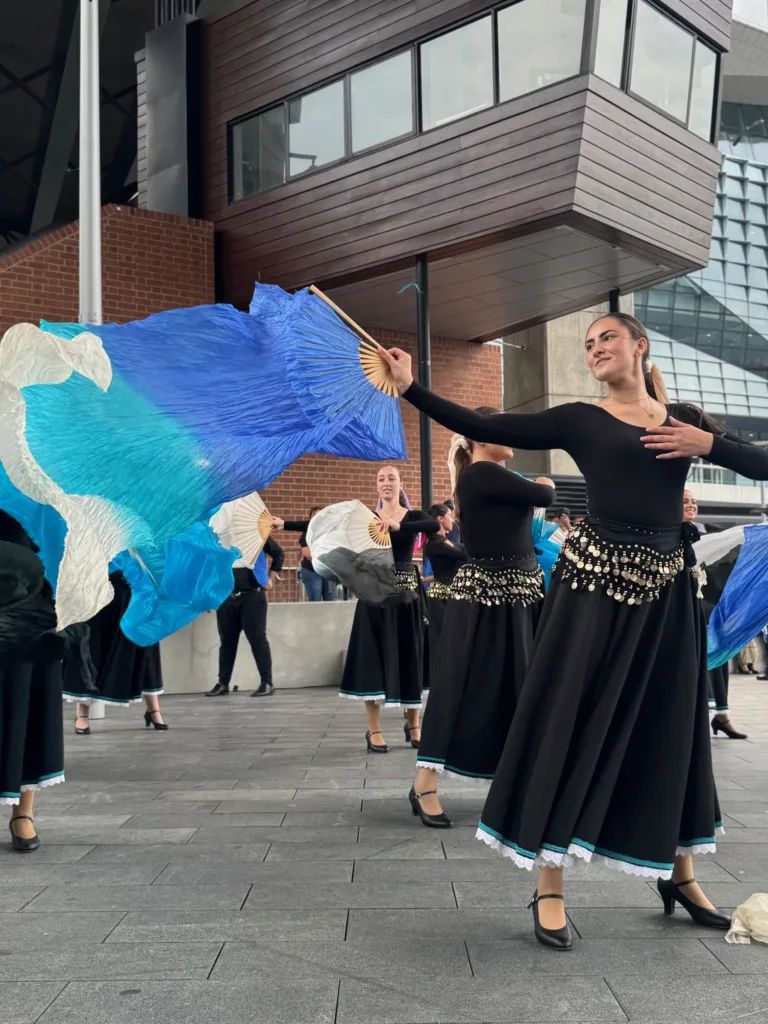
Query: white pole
[(90, 165)]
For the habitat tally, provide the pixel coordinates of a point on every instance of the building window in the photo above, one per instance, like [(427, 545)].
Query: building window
[(611, 33), (662, 52), (457, 73), (530, 59), (703, 87), (316, 129), (258, 153), (381, 99)]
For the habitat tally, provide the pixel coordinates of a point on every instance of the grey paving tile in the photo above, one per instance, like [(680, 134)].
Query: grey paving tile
[(13, 897), (747, 862), (26, 872), (352, 851), (212, 871), (53, 931), (204, 821), (431, 870), (255, 926), (175, 854), (751, 959), (322, 895), (131, 897), (45, 855), (280, 1000), (410, 960), (321, 819), (517, 892), (68, 835), (252, 796), (303, 836), (105, 962), (51, 823), (694, 998), (749, 819), (637, 923), (132, 808), (522, 999), (653, 957), (23, 1004), (757, 836), (428, 924)]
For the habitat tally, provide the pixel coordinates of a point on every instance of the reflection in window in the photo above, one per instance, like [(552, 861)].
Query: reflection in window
[(316, 129), (258, 153), (702, 91), (382, 102), (530, 59), (661, 62), (611, 32), (457, 73)]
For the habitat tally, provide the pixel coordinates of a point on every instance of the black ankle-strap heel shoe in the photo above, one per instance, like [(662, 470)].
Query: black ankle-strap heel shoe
[(19, 844), (671, 894), (430, 820), (376, 748), (553, 938)]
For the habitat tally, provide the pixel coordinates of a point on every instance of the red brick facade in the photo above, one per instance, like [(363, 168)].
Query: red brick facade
[(150, 262), (155, 261)]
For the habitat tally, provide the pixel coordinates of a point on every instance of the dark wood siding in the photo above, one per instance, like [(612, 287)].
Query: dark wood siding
[(712, 18), (141, 134)]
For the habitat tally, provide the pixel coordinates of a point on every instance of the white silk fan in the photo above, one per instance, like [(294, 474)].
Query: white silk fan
[(244, 524)]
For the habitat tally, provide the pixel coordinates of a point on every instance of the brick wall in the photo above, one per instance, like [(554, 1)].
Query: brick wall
[(150, 262), (468, 374)]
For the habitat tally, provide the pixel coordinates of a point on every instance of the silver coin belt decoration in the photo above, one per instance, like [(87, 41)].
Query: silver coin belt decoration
[(627, 572), (440, 590), (498, 586), (406, 577)]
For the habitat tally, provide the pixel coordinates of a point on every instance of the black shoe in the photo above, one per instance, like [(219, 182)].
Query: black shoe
[(407, 731), (727, 728), (553, 938), (82, 732), (19, 844), (374, 748), (671, 894), (265, 690), (149, 720), (218, 691), (430, 820), (763, 677)]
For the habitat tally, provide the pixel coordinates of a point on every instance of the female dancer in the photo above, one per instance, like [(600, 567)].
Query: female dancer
[(608, 755), (489, 623), (385, 657), (31, 729), (712, 583), (446, 558), (125, 673)]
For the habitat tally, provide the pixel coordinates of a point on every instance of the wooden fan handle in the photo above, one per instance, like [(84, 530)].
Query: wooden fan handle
[(344, 316)]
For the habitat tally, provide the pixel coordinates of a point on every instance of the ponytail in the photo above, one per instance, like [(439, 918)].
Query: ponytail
[(460, 452), (654, 382)]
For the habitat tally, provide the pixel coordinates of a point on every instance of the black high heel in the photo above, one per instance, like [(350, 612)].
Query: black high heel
[(671, 894), (148, 720), (19, 844), (430, 820), (380, 748), (82, 732), (407, 731), (553, 938), (727, 728)]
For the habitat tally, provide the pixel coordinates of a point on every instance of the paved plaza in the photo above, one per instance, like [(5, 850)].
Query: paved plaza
[(253, 864)]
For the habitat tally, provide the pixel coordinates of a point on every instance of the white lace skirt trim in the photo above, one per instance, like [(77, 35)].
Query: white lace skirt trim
[(71, 699), (381, 701), (31, 787)]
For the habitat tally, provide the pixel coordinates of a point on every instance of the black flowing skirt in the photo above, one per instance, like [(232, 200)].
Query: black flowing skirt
[(31, 728), (385, 656), (433, 636), (125, 672), (481, 664), (608, 756)]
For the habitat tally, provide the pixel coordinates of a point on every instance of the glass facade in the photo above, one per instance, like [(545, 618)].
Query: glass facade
[(510, 51)]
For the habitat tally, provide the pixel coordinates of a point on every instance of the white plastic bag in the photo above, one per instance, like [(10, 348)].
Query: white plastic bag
[(750, 921)]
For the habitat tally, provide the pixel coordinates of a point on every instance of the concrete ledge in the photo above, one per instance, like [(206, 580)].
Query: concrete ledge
[(308, 641)]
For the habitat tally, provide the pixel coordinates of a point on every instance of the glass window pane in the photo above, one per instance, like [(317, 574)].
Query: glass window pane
[(316, 129), (457, 73), (758, 235), (661, 62), (530, 59), (702, 90), (611, 33), (737, 253), (382, 102), (733, 187), (735, 230), (757, 213), (258, 153), (756, 192)]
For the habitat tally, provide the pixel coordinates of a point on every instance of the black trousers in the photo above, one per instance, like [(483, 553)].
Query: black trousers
[(244, 611)]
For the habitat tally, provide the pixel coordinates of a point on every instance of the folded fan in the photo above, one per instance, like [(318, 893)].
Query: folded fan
[(134, 432)]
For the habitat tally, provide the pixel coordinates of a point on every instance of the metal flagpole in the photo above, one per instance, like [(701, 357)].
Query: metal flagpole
[(90, 165)]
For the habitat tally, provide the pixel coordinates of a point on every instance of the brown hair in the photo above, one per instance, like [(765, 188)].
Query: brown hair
[(654, 381), (461, 455)]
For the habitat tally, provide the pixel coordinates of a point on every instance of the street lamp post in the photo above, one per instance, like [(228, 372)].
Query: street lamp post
[(90, 166)]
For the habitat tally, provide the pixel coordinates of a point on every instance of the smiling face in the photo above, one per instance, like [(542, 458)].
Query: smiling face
[(613, 354), (388, 483), (690, 508)]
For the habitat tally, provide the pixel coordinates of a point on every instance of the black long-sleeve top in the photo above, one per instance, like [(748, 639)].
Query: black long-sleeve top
[(412, 524), (445, 557), (496, 510), (300, 526), (625, 481)]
